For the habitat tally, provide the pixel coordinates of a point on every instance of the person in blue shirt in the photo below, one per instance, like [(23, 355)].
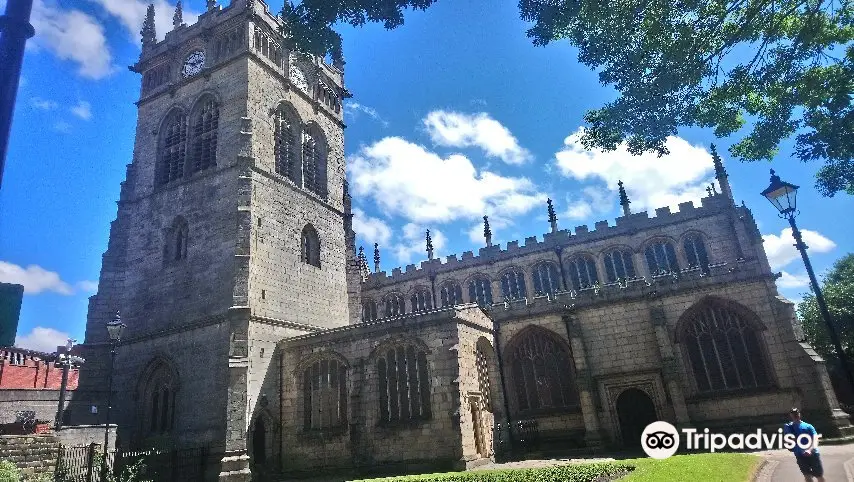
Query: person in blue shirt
[(808, 459)]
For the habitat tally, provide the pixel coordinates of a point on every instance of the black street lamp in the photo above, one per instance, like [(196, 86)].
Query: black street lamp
[(784, 197), (114, 329)]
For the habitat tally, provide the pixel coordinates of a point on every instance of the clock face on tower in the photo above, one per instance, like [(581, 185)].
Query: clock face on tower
[(194, 63)]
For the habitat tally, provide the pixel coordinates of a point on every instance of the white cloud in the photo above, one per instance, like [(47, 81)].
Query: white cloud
[(72, 35), (372, 230), (354, 109), (34, 278), (87, 286), (455, 129), (62, 127), (789, 280), (413, 243), (42, 339), (650, 181), (131, 14), (781, 249), (43, 104), (407, 179), (592, 200), (82, 110)]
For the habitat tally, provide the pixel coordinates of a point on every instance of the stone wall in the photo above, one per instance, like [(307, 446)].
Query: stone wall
[(43, 402), (35, 455), (365, 440)]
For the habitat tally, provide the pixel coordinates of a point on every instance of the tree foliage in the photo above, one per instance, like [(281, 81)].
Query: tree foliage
[(784, 66), (309, 24), (838, 290)]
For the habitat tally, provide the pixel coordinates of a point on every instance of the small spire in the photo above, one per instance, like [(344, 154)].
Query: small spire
[(211, 5), (552, 215), (714, 190), (363, 263), (720, 172), (178, 18), (338, 58), (709, 191), (487, 233), (429, 246), (149, 31), (624, 199), (376, 257)]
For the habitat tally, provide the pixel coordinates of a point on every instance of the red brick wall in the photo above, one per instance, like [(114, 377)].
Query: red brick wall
[(34, 375)]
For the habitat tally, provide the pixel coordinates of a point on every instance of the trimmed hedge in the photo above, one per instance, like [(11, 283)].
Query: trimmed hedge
[(561, 473)]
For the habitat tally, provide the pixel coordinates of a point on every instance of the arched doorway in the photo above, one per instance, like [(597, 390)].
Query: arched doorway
[(259, 442), (635, 411)]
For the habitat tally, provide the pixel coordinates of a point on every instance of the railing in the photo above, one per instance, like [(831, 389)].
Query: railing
[(525, 437), (84, 464)]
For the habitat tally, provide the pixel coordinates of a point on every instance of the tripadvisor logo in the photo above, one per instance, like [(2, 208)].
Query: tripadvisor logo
[(660, 440)]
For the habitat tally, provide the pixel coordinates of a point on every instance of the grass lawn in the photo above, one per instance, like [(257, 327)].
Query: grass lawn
[(706, 467), (719, 467)]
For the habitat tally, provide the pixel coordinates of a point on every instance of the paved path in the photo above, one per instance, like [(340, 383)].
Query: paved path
[(837, 460)]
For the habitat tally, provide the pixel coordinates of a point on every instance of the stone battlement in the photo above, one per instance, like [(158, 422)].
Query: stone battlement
[(625, 225)]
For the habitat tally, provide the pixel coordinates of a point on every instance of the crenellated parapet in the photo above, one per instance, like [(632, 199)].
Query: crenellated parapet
[(565, 241)]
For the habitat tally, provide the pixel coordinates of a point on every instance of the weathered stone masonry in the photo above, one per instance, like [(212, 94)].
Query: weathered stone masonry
[(255, 328)]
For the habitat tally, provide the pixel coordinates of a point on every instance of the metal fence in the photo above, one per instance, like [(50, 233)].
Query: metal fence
[(84, 464)]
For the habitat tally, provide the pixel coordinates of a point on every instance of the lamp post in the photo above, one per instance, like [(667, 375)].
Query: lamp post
[(114, 329), (784, 197), (64, 360)]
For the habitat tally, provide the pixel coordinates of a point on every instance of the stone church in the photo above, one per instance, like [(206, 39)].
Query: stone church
[(254, 325)]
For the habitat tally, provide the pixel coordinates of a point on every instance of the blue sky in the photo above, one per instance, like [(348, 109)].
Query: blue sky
[(454, 115)]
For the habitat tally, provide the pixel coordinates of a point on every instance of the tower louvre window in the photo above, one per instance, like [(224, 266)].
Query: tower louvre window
[(314, 161), (173, 145), (369, 310), (286, 145), (205, 122), (395, 305)]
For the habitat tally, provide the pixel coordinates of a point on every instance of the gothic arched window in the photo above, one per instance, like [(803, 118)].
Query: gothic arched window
[(723, 348), (404, 384), (314, 161), (395, 305), (619, 265), (582, 272), (177, 239), (286, 130), (421, 300), (513, 285), (205, 126), (543, 372), (480, 291), (695, 252), (451, 294), (324, 395), (173, 146), (158, 399), (661, 258), (546, 278), (369, 310), (310, 246)]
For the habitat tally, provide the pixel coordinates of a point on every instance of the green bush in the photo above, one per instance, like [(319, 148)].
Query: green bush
[(9, 472), (561, 473)]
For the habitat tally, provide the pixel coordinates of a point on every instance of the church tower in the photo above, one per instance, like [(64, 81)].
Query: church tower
[(233, 232)]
